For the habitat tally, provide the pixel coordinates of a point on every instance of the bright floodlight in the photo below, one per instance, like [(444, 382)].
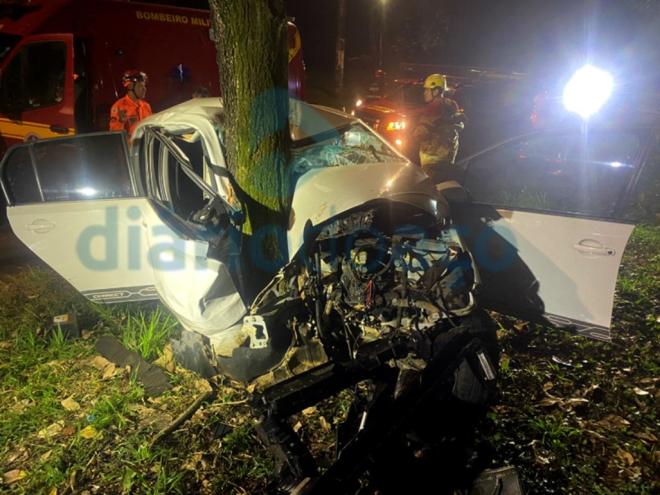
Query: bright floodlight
[(87, 191), (587, 91)]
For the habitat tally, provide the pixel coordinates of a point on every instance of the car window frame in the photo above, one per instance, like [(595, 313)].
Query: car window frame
[(157, 191), (29, 145), (639, 162)]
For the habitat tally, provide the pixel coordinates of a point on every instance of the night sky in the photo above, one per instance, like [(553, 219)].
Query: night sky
[(537, 36)]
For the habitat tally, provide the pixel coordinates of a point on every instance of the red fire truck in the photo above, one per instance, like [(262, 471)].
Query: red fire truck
[(61, 61)]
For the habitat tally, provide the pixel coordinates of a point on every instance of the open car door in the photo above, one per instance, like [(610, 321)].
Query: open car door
[(74, 203), (543, 223), (119, 233)]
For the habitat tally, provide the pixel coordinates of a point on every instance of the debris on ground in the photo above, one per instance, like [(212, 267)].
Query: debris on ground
[(153, 378)]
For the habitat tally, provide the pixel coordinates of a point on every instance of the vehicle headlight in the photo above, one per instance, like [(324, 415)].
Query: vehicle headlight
[(397, 125), (587, 91)]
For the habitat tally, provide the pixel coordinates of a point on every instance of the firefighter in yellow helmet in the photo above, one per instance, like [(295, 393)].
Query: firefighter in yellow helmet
[(438, 126)]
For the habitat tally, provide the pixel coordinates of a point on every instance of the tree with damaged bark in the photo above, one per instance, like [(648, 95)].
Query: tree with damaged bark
[(252, 55)]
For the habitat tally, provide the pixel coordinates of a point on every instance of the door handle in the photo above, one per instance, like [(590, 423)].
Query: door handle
[(593, 247), (41, 226), (58, 129)]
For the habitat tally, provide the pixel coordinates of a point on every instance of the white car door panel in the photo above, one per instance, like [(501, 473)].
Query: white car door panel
[(540, 266), (98, 246), (198, 289), (541, 225), (74, 203)]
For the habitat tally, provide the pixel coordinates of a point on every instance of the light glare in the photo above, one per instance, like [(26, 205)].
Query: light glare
[(87, 191), (587, 91)]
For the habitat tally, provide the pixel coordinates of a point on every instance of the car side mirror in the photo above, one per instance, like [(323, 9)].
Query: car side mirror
[(452, 191)]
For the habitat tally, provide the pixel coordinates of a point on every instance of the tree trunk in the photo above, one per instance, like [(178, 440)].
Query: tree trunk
[(251, 40)]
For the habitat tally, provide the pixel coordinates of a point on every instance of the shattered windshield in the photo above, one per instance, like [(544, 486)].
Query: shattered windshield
[(352, 145)]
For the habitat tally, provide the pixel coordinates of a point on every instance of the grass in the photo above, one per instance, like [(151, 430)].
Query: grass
[(147, 332), (105, 441)]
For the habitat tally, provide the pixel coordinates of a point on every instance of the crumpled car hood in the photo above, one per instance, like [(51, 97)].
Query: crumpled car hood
[(323, 193)]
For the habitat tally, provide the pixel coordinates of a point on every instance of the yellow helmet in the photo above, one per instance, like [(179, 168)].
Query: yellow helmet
[(435, 81)]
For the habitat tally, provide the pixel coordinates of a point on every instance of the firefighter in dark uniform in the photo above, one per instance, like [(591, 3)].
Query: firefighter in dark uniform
[(437, 127), (127, 111)]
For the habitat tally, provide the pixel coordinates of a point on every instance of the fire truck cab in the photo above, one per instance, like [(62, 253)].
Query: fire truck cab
[(61, 62)]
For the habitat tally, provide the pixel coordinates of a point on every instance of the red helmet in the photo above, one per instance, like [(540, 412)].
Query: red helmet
[(133, 76)]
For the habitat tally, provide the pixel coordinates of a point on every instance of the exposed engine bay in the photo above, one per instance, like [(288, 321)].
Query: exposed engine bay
[(358, 280)]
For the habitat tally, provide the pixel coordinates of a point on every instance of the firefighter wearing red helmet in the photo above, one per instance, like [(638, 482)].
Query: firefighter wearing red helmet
[(438, 125), (127, 111)]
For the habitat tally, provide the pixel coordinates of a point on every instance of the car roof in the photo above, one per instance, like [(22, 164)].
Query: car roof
[(306, 120)]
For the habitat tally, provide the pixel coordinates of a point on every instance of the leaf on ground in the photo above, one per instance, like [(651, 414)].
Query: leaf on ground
[(613, 422), (18, 455), (575, 401), (193, 461), (70, 405), (203, 386), (110, 371), (13, 476), (595, 434), (166, 359), (5, 344), (68, 431), (297, 427), (642, 392), (21, 406), (86, 334), (645, 435), (45, 456), (53, 491), (324, 423), (548, 402), (88, 432), (563, 362), (99, 362), (625, 457), (309, 411), (51, 430)]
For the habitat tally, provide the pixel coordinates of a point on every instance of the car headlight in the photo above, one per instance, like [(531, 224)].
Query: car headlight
[(587, 91), (397, 125)]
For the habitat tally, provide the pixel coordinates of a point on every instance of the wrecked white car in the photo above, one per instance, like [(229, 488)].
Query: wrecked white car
[(383, 283)]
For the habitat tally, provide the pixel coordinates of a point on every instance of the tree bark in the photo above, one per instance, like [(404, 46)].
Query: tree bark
[(251, 41)]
